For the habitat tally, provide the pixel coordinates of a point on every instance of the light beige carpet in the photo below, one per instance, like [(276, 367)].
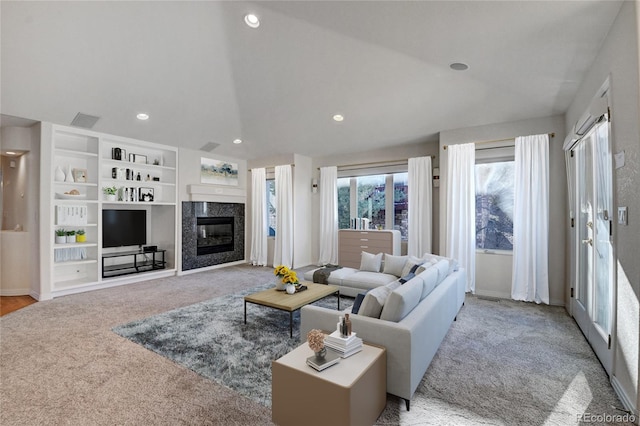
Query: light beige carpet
[(60, 363)]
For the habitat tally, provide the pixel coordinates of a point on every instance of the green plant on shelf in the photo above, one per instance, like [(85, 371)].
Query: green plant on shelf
[(80, 232), (109, 190), (61, 232), (70, 233)]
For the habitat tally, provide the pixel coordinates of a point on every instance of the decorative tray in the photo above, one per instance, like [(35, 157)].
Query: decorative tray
[(60, 196)]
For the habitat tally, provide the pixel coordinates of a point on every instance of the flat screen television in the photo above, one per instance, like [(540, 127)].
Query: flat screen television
[(124, 228)]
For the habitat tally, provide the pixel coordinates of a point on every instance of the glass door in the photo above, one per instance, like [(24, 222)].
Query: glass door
[(593, 303)]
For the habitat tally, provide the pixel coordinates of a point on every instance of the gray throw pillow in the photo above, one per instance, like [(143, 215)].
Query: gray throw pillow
[(394, 264), (374, 302)]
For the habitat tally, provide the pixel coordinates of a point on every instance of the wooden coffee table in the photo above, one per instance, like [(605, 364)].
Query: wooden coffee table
[(291, 302)]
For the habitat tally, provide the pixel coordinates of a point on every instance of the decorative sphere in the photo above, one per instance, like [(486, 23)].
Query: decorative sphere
[(291, 289)]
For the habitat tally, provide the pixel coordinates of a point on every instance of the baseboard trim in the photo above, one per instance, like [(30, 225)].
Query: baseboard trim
[(209, 268), (626, 401), (15, 292), (114, 282)]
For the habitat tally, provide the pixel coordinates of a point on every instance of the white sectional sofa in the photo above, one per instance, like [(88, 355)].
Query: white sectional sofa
[(412, 320)]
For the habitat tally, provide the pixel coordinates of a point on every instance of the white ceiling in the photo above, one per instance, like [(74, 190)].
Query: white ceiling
[(204, 76)]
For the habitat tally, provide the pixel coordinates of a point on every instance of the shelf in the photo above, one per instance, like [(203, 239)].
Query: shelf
[(130, 165), (85, 184), (73, 245), (74, 153), (79, 201), (76, 262), (136, 182)]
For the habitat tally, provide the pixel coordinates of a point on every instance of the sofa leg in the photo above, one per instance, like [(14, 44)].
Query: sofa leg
[(407, 402), (456, 318)]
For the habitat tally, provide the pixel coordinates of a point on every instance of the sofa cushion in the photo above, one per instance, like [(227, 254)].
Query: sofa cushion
[(416, 270), (370, 262), (368, 280), (374, 302), (336, 276), (453, 264), (394, 264), (443, 269), (402, 300), (357, 303), (430, 280), (412, 261)]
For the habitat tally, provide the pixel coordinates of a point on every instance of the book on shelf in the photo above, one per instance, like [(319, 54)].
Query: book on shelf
[(330, 358)]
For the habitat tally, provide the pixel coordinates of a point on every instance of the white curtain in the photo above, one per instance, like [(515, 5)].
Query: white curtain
[(283, 251), (328, 215), (531, 220), (258, 217), (419, 195), (461, 209)]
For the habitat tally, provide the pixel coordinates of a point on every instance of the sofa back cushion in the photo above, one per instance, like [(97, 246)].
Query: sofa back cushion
[(370, 262), (453, 264), (442, 267), (374, 301), (430, 280), (393, 264), (402, 300)]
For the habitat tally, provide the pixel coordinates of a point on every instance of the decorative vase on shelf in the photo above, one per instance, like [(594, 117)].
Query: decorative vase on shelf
[(59, 174), (291, 288), (110, 197), (69, 177), (321, 353)]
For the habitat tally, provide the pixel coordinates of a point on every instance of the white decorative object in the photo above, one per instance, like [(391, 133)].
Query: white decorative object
[(279, 284), (59, 174), (61, 239), (69, 177), (291, 288)]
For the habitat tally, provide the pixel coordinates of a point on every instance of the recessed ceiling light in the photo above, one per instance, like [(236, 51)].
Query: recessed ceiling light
[(142, 116), (237, 141), (11, 153), (459, 66), (338, 117), (251, 20)]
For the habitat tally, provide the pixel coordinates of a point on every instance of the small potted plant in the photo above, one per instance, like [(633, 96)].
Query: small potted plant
[(81, 236), (61, 236), (71, 236), (110, 192)]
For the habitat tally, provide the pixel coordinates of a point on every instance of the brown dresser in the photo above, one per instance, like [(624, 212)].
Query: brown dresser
[(351, 243)]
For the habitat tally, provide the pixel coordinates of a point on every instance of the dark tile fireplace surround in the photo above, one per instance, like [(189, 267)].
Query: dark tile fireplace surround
[(212, 233)]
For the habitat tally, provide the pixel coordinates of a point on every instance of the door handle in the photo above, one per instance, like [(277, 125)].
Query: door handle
[(588, 241)]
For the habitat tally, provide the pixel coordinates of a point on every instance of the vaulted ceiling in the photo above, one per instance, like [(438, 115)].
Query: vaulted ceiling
[(204, 76)]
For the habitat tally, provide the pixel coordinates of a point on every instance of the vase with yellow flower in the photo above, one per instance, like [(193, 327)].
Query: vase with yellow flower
[(291, 282), (280, 271)]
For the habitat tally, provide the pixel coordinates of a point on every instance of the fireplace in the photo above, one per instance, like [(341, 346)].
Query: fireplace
[(214, 235)]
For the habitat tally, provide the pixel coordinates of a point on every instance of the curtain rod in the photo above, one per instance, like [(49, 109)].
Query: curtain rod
[(551, 135), (273, 167), (377, 163)]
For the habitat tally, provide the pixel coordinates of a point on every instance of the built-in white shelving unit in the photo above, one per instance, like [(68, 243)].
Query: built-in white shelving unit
[(76, 203)]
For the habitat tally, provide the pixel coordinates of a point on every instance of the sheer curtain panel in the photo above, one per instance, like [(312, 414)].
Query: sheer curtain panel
[(531, 220), (328, 215), (461, 209), (283, 251), (419, 194), (258, 217)]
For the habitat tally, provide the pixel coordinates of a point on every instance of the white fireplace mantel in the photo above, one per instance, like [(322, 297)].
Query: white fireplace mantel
[(216, 193)]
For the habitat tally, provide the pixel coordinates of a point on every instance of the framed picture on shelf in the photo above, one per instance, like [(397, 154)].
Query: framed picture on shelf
[(79, 175), (145, 195), (137, 158)]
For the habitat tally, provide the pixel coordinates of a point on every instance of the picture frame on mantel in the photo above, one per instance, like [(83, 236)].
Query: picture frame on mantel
[(217, 172)]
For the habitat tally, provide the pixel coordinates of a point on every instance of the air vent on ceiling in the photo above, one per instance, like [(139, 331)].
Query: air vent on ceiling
[(210, 146), (84, 120)]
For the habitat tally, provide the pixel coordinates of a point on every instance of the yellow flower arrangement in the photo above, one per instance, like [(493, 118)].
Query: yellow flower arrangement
[(281, 270), (290, 277)]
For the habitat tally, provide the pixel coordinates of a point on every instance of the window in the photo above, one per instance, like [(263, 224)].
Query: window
[(494, 205), (271, 207), (372, 197)]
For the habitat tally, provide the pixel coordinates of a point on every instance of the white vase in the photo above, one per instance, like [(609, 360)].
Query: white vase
[(61, 239), (279, 284), (69, 177), (291, 288), (110, 197), (59, 174), (71, 238)]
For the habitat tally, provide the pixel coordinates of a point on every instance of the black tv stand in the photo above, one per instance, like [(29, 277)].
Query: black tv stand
[(143, 261)]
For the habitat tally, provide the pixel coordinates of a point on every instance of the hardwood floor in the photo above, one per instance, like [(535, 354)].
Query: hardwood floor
[(13, 303)]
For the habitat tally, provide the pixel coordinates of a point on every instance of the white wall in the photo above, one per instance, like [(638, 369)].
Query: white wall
[(374, 156), (493, 271), (618, 60)]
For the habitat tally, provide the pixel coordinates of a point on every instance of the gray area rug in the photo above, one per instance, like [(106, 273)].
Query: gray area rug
[(211, 339)]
